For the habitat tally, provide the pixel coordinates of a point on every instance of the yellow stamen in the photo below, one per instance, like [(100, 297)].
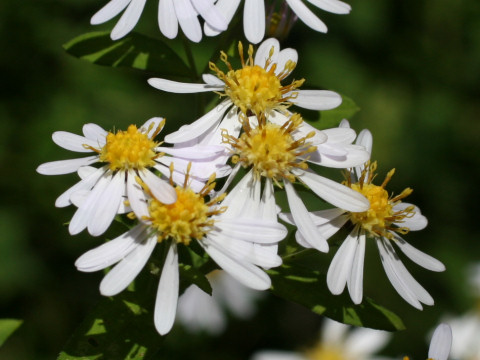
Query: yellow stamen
[(190, 217), (270, 149), (131, 149), (380, 218), (255, 89)]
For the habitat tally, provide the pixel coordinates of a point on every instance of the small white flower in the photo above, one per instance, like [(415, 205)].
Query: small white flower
[(127, 155), (171, 13), (441, 343), (199, 311), (279, 151), (254, 15), (238, 244), (253, 89), (384, 221), (339, 342)]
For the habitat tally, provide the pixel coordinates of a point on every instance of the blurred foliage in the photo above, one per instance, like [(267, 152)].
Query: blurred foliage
[(410, 66)]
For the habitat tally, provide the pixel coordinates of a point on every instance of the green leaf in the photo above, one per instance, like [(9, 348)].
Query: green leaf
[(327, 119), (302, 279), (133, 51), (190, 275), (7, 327)]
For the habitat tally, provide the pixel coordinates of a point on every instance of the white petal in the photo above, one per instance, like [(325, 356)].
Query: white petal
[(211, 14), (107, 205), (194, 152), (248, 274), (109, 11), (167, 293), (333, 192), (307, 16), (333, 6), (83, 214), (188, 20), (365, 139), (161, 189), (340, 135), (319, 217), (424, 260), (181, 88), (167, 19), (85, 171), (237, 198), (269, 208), (73, 142), (228, 9), (353, 155), (317, 99), (276, 355), (441, 343), (128, 268), (198, 127), (263, 52), (95, 132), (303, 220), (254, 20), (136, 196), (416, 222), (86, 184), (407, 287), (244, 251), (330, 228), (211, 79), (341, 265), (128, 20), (284, 56), (65, 166), (252, 230), (355, 278), (112, 251), (363, 342)]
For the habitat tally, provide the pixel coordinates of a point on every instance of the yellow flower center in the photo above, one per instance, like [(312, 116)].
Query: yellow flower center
[(183, 220), (270, 149), (254, 89), (380, 218), (321, 352), (190, 217), (131, 149)]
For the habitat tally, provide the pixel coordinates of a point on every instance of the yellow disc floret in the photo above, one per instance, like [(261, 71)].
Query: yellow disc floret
[(380, 218), (270, 148), (190, 217), (183, 220), (255, 89), (131, 149)]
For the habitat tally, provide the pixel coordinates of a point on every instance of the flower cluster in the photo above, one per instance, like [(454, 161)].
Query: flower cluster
[(256, 145)]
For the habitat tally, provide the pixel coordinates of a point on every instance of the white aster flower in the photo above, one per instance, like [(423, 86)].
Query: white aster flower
[(199, 311), (126, 155), (254, 15), (338, 341), (255, 89), (171, 13), (238, 244), (278, 150), (385, 220)]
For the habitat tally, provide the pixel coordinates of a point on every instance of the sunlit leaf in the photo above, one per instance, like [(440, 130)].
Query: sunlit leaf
[(302, 279), (7, 327), (134, 51)]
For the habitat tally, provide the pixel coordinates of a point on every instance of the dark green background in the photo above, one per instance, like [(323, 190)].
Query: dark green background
[(413, 67)]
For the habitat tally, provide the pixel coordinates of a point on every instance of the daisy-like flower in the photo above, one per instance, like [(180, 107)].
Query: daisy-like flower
[(238, 244), (278, 150), (254, 15), (125, 155), (337, 342), (171, 13), (384, 221), (255, 88), (199, 311)]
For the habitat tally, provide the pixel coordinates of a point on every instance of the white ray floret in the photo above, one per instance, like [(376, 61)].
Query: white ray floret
[(171, 14), (127, 156), (218, 229), (255, 88)]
